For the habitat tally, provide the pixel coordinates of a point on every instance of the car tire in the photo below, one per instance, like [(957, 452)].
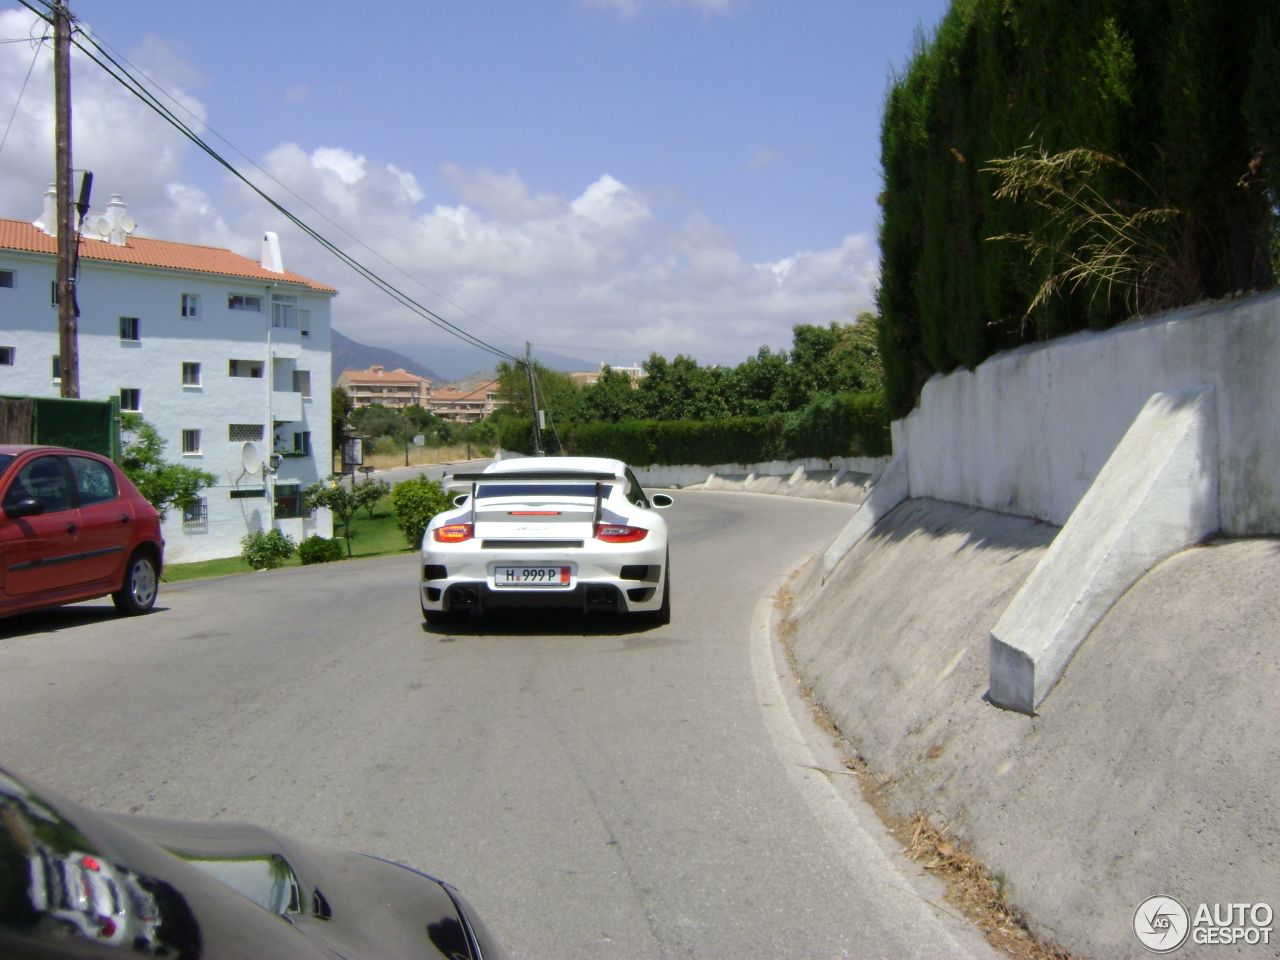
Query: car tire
[(137, 595)]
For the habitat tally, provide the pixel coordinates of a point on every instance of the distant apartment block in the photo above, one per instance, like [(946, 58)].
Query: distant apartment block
[(395, 389), (227, 357), (585, 378), (465, 404)]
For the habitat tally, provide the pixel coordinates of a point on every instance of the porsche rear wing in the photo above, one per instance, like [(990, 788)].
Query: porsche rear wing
[(526, 476)]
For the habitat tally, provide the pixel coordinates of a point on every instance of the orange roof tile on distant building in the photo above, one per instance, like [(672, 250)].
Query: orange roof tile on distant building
[(20, 235)]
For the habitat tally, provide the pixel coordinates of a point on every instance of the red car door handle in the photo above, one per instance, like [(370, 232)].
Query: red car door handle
[(71, 528), (124, 518)]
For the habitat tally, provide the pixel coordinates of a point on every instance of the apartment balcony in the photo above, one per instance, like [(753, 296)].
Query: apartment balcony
[(286, 406)]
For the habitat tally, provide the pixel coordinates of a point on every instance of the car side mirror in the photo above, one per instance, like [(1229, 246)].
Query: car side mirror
[(661, 500), (461, 499), (27, 507)]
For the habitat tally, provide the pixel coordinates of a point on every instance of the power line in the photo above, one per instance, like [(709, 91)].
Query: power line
[(303, 200), (34, 57), (121, 75)]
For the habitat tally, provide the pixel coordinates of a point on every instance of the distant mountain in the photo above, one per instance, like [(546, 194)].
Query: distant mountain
[(453, 360), (350, 355)]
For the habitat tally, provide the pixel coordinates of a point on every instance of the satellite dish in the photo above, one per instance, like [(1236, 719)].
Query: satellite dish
[(250, 459), (126, 224), (101, 226)]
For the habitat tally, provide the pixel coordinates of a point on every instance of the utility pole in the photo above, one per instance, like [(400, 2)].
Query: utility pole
[(68, 347), (533, 400)]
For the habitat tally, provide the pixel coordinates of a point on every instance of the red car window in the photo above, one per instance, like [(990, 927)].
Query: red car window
[(42, 479), (95, 483)]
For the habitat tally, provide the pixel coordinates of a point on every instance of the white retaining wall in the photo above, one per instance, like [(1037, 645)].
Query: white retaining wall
[(685, 475), (1028, 431)]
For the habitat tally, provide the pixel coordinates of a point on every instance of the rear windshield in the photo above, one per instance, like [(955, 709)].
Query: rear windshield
[(537, 490)]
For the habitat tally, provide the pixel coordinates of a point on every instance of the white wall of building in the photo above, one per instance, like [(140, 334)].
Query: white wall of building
[(1027, 432), (154, 365)]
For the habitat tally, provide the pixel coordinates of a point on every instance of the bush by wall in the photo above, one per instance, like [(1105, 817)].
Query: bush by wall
[(1180, 99), (267, 549), (318, 549)]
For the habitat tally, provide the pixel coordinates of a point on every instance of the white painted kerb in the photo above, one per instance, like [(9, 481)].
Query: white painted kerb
[(1157, 494)]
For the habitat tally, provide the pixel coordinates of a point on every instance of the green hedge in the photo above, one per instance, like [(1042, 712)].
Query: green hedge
[(851, 424), (1185, 93)]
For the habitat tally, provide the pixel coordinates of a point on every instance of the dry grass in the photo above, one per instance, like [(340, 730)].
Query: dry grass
[(972, 888), (420, 456), (1093, 240)]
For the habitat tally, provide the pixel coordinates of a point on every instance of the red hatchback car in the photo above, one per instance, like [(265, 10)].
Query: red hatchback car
[(72, 527)]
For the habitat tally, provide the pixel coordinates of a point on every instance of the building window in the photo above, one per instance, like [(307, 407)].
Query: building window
[(302, 443), (248, 494), (289, 501), (130, 398), (6, 278), (245, 368), (284, 310), (196, 511), (240, 301), (130, 328), (53, 293), (240, 432), (57, 367), (302, 382), (191, 441), (304, 322), (6, 356), (190, 374), (191, 305)]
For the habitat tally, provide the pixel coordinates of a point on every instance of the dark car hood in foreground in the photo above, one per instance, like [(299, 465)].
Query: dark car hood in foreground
[(77, 883)]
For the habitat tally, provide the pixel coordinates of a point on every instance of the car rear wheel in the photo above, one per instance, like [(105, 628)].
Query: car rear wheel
[(138, 594)]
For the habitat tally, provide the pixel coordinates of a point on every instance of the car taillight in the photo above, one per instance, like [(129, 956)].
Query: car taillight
[(617, 533), (454, 533)]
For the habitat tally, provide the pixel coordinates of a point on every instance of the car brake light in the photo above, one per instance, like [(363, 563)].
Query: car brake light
[(454, 533), (618, 533), (90, 863)]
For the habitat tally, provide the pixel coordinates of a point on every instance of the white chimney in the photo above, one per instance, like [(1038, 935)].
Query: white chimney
[(271, 253), (113, 227), (48, 222)]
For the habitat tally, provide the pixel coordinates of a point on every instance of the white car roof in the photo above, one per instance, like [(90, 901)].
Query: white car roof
[(572, 464)]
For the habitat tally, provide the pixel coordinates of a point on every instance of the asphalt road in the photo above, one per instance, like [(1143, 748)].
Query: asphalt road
[(596, 789)]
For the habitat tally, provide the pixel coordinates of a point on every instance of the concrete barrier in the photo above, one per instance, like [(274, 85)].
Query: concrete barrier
[(688, 475), (890, 490), (1156, 495)]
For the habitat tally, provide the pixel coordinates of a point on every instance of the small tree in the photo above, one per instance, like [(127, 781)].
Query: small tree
[(336, 498), (161, 484), (370, 492), (416, 501), (267, 549)]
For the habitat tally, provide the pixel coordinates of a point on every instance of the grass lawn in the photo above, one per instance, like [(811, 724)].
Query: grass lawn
[(369, 538)]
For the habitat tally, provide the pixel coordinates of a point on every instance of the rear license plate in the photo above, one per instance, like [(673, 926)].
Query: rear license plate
[(543, 575)]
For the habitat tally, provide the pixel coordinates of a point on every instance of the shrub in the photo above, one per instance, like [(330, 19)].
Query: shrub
[(368, 494), (267, 549), (416, 501), (318, 549)]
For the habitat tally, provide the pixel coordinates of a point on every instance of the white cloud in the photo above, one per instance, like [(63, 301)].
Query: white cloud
[(600, 274), (763, 159)]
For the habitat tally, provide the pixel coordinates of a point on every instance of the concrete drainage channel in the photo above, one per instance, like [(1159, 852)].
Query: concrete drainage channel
[(1149, 770)]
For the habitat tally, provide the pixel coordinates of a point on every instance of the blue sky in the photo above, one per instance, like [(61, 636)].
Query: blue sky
[(615, 175)]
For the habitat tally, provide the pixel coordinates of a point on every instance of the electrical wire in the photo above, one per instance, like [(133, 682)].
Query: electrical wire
[(122, 76), (34, 57), (283, 186)]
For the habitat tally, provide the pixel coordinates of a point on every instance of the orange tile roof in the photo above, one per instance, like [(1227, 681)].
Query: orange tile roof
[(20, 235), (478, 394), (399, 375)]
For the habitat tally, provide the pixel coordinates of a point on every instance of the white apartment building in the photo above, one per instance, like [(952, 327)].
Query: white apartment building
[(227, 357)]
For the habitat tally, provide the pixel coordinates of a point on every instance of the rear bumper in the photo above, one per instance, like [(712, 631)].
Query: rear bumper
[(623, 583)]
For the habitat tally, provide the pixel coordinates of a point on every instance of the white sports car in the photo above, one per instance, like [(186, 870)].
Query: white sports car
[(573, 532)]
